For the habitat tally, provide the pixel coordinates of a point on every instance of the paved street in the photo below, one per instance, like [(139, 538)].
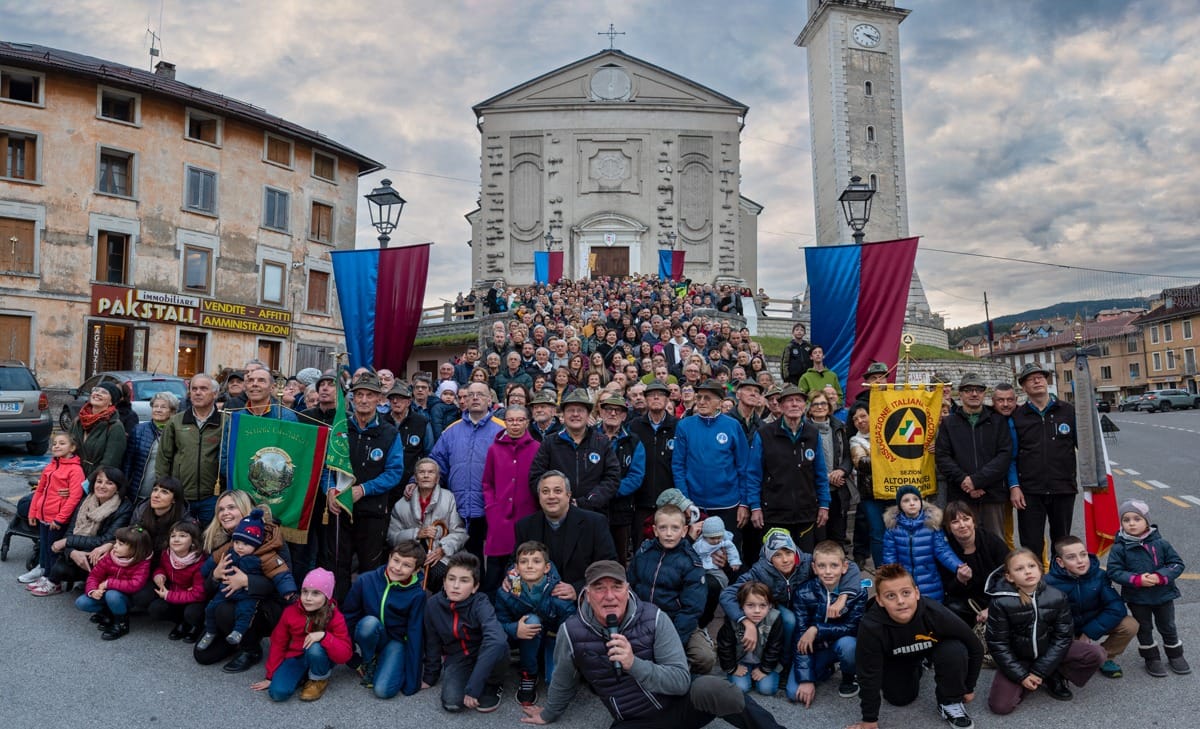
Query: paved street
[(144, 679)]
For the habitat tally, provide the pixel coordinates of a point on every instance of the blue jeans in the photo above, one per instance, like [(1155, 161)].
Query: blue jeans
[(202, 510), (841, 652), (874, 509), (46, 538), (529, 649), (116, 602), (767, 685), (374, 642), (313, 663), (788, 618)]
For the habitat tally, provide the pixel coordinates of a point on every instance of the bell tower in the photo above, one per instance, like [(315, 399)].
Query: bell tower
[(857, 125)]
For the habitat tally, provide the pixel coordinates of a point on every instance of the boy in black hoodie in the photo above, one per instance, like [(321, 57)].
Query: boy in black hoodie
[(461, 628), (898, 632)]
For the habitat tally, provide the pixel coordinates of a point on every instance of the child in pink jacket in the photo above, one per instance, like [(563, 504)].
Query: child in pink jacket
[(58, 493), (178, 583), (118, 574)]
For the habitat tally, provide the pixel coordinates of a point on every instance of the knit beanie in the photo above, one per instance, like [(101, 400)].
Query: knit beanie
[(775, 540), (445, 385), (1135, 506), (908, 489), (676, 497), (320, 580), (251, 529), (114, 391), (714, 526)]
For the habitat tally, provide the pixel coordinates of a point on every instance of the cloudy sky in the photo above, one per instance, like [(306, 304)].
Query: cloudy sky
[(1054, 130)]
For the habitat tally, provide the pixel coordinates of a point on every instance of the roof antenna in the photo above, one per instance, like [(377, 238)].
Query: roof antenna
[(156, 38)]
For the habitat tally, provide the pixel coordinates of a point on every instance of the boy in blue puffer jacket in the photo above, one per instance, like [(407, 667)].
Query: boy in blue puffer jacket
[(914, 540), (1096, 607), (531, 615), (783, 568), (667, 572), (827, 635)]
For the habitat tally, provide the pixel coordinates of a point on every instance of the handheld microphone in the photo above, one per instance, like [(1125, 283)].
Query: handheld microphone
[(610, 629)]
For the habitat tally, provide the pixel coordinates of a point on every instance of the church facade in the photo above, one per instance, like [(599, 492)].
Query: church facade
[(611, 159)]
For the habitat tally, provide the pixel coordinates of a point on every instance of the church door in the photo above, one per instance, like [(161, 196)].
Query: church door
[(611, 261)]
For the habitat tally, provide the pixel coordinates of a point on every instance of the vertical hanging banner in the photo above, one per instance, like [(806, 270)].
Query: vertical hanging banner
[(670, 265), (904, 422), (541, 267), (857, 298), (1100, 516), (381, 293), (555, 267)]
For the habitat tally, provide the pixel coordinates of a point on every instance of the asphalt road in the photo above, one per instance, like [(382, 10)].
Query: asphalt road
[(60, 668)]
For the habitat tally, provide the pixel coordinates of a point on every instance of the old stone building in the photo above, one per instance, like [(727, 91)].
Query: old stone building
[(149, 224), (613, 158)]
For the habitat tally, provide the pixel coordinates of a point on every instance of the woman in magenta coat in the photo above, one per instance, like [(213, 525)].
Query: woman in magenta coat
[(506, 494)]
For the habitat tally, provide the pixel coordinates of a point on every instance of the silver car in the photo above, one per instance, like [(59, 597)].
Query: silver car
[(139, 387), (24, 410)]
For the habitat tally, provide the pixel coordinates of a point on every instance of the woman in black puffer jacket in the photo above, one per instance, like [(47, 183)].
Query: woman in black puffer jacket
[(1030, 634)]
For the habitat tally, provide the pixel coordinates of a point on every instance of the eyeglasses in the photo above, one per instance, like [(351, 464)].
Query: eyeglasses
[(819, 405)]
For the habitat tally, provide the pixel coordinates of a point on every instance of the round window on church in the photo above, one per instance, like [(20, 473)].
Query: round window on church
[(611, 84)]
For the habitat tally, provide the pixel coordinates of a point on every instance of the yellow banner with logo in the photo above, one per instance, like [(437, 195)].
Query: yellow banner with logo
[(904, 423)]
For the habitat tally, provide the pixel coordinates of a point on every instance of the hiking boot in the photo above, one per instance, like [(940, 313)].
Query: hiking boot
[(1176, 660), (956, 715), (527, 689), (1111, 669), (1058, 688), (314, 689), (31, 576), (489, 700), (1154, 662), (848, 688)]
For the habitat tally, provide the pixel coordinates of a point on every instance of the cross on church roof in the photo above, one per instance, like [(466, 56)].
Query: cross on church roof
[(612, 34)]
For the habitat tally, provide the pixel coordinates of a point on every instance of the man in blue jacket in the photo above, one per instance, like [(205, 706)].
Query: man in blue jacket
[(710, 461), (461, 452)]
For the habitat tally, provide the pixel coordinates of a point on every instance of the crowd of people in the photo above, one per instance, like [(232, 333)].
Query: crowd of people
[(623, 493)]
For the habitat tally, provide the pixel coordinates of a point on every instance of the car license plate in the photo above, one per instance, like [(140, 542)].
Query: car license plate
[(10, 407)]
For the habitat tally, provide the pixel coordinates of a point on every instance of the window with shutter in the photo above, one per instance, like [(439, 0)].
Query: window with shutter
[(318, 292), (16, 245), (321, 225), (20, 155)]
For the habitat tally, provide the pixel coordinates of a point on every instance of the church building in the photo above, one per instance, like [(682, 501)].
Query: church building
[(611, 159)]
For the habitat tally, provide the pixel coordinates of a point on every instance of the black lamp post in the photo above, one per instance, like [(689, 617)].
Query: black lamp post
[(385, 206), (671, 239), (856, 206), (549, 238)]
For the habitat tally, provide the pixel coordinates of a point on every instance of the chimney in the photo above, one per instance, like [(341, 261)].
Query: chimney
[(166, 69)]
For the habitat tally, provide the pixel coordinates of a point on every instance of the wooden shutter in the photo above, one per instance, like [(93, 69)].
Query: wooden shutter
[(14, 338), (318, 292), (16, 245), (321, 227)]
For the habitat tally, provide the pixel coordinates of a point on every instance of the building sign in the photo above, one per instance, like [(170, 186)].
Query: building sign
[(244, 318), (125, 303)]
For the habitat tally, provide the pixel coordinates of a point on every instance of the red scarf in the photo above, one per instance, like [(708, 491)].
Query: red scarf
[(88, 418)]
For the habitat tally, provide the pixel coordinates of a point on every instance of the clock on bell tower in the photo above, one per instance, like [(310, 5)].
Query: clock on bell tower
[(856, 119)]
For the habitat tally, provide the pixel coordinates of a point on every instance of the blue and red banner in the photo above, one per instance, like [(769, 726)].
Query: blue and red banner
[(670, 265), (381, 292), (547, 267), (857, 298)]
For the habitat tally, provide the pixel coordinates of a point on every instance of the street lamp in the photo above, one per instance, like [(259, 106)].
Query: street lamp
[(385, 205), (549, 238), (671, 239), (856, 206)]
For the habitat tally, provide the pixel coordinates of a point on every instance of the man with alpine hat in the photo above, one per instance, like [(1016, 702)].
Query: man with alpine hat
[(973, 452), (414, 430), (582, 453), (875, 374), (1046, 441), (710, 461), (543, 409), (631, 459), (656, 432), (378, 462), (630, 654), (749, 397)]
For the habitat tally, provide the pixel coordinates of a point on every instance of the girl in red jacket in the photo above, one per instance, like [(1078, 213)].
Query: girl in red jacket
[(178, 582), (118, 574), (59, 491), (310, 639)]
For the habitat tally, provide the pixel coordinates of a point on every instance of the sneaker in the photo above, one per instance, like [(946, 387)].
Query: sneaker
[(489, 700), (39, 582), (1058, 688), (366, 673), (234, 637), (848, 688), (956, 715), (1111, 669), (527, 689), (205, 641), (47, 588), (31, 576)]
